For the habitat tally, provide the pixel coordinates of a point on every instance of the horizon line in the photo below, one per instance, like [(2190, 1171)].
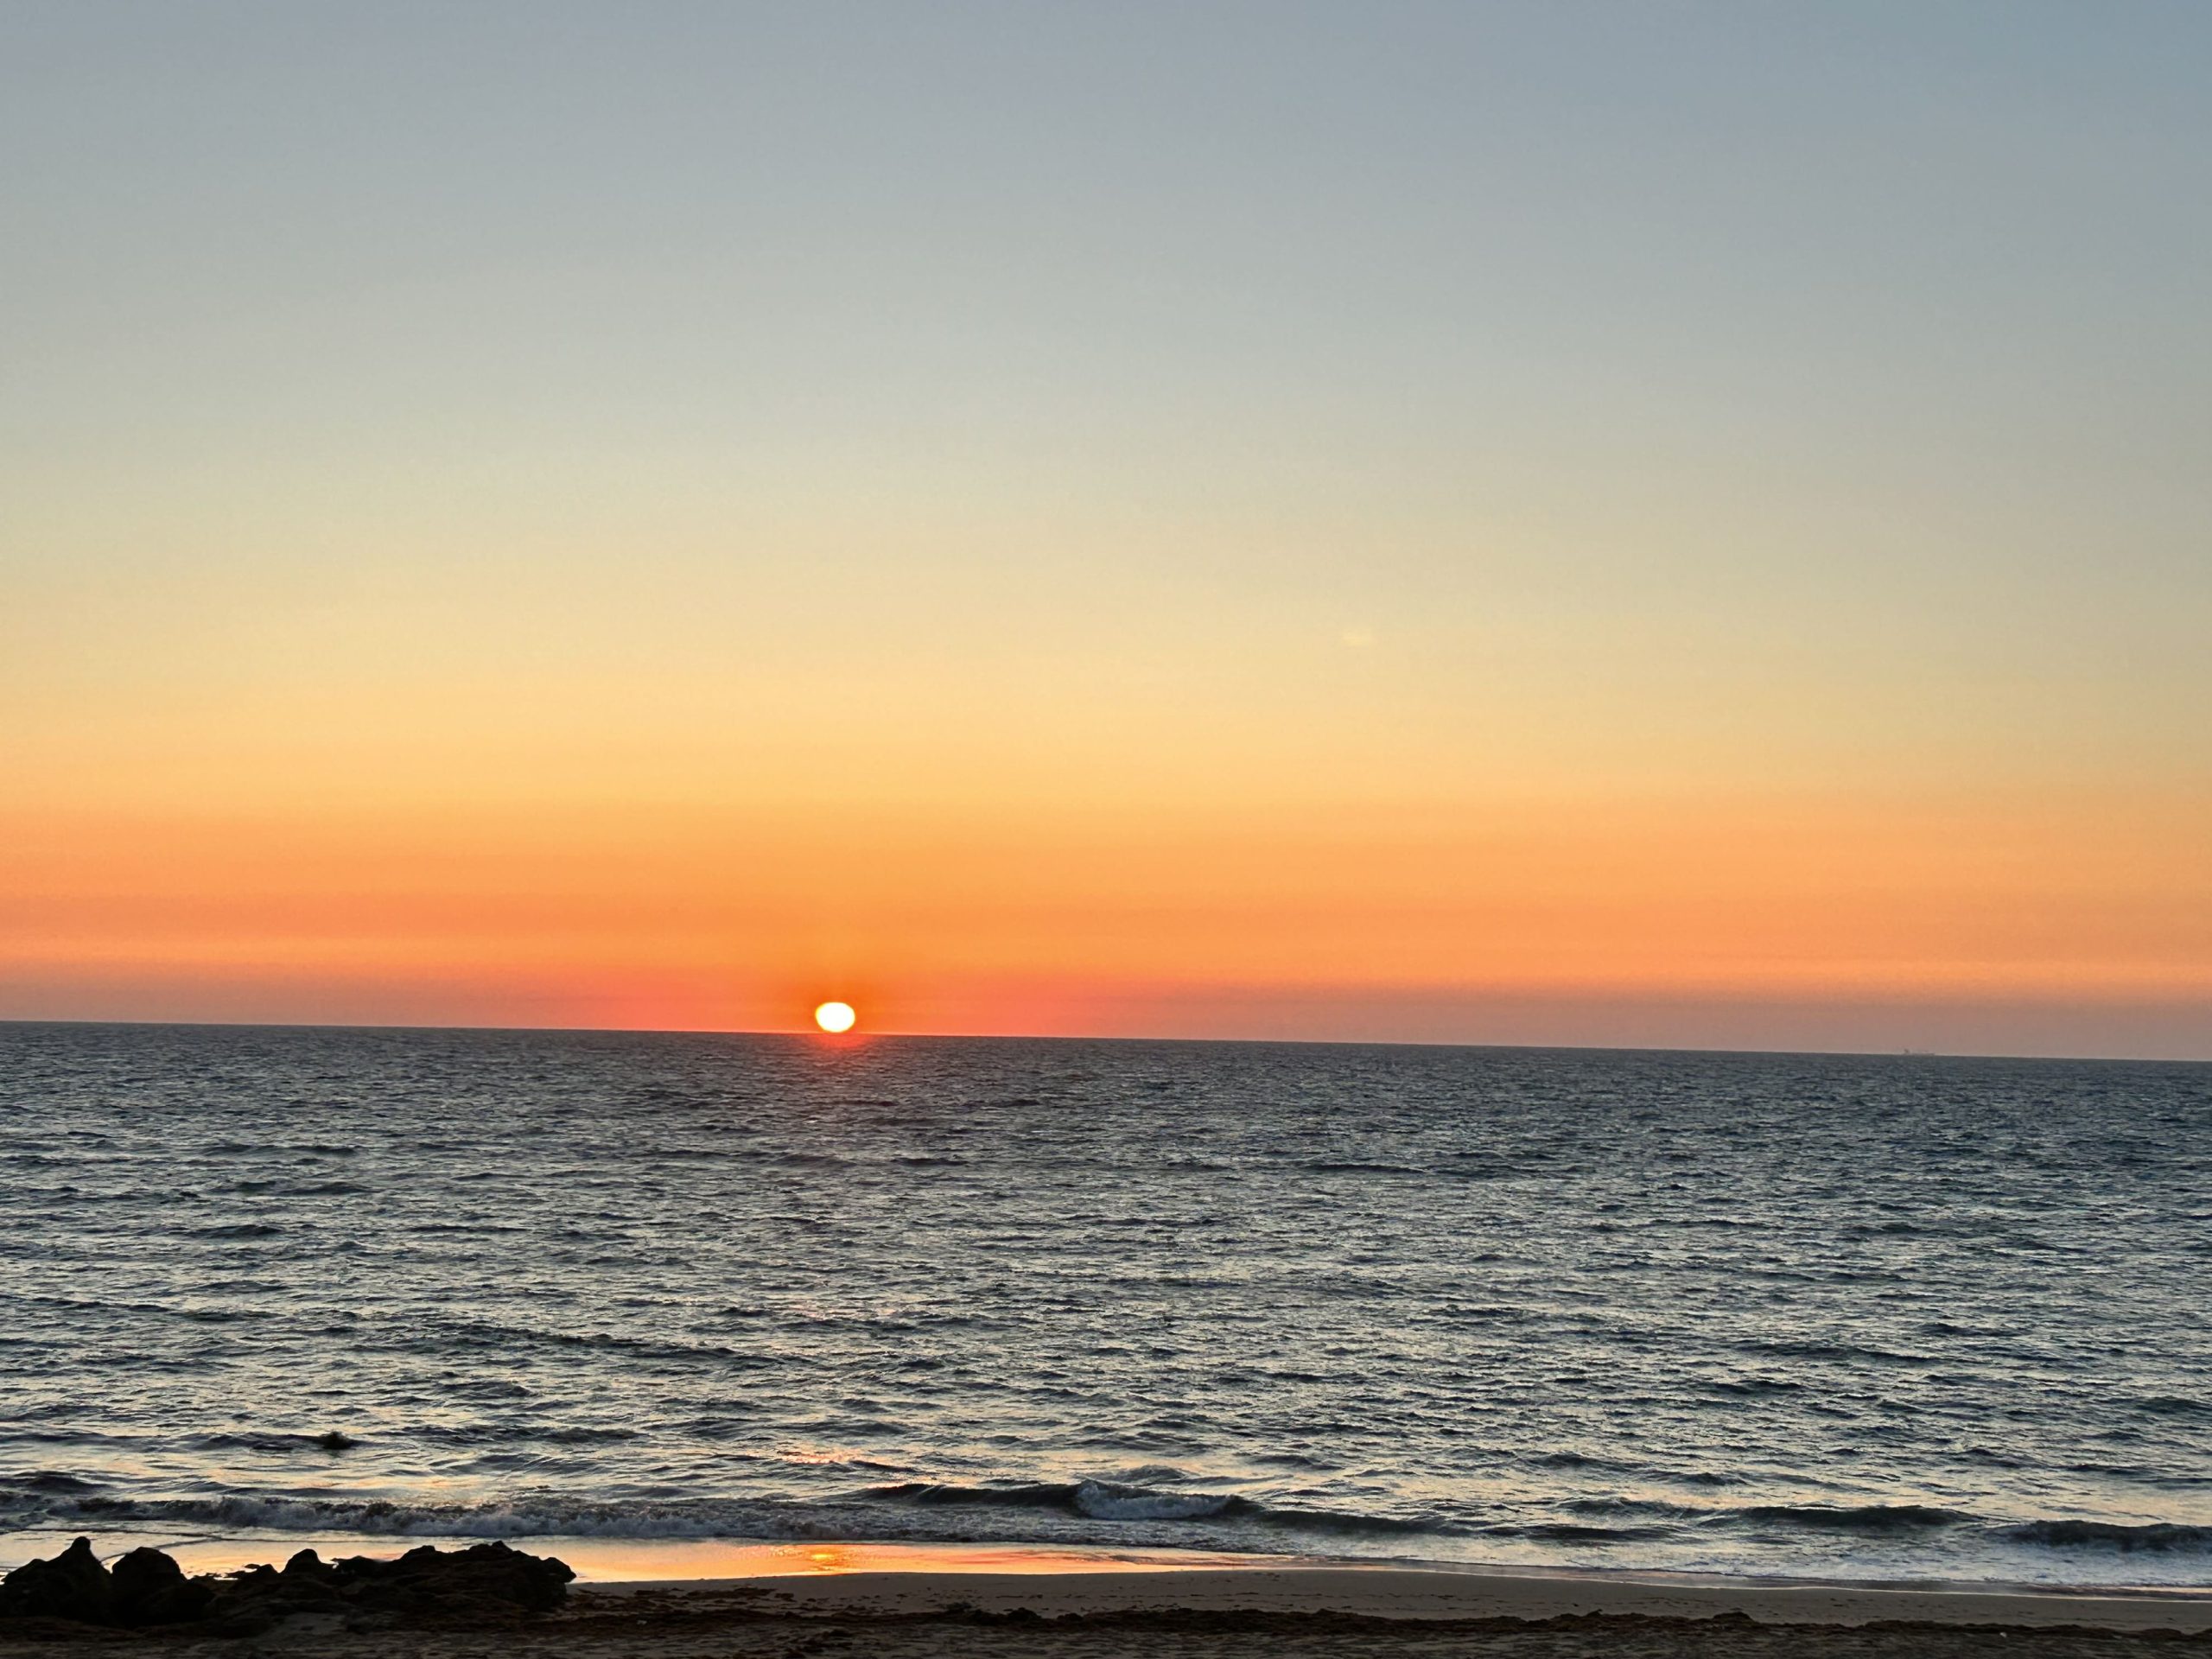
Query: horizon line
[(854, 1038)]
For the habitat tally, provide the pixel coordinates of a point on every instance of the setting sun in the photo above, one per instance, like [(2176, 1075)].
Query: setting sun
[(1504, 707)]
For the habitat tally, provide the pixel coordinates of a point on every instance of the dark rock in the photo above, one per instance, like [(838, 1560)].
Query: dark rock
[(335, 1441), (486, 1584), (151, 1589), (250, 1601), (73, 1584), (481, 1573)]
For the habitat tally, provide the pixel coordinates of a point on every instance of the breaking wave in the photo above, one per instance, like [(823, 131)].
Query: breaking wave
[(2075, 1534), (1865, 1518), (1112, 1501), (1103, 1511)]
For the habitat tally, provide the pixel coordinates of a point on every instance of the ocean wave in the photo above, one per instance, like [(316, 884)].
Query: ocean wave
[(1103, 1504), (383, 1518), (1864, 1517), (1354, 1168), (2074, 1534), (1571, 1532), (275, 1441), (494, 1333), (1846, 1351), (54, 1480), (1099, 1511), (1751, 1387), (1652, 1506), (1088, 1511), (1099, 1500), (2172, 1405), (1080, 1512), (1105, 1500), (1868, 1518), (508, 1433), (316, 1148)]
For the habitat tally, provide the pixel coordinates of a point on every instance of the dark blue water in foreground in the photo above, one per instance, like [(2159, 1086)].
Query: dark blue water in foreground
[(1869, 1317)]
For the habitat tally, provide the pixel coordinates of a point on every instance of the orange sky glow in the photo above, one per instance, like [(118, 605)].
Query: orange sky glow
[(1478, 923), (1451, 526)]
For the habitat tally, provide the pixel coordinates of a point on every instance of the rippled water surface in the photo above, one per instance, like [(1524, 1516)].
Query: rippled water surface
[(1876, 1317)]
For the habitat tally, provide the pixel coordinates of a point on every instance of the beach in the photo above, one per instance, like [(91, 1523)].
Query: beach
[(927, 1602), (1408, 1594)]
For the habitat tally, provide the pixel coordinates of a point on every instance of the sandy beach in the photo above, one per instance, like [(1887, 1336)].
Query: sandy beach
[(1408, 1594), (918, 1603)]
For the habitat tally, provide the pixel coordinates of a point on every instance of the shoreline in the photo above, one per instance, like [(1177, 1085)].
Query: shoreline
[(690, 1580), (940, 1602), (1406, 1592), (611, 1561)]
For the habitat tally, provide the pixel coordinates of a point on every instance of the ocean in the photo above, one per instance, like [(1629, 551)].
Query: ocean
[(1870, 1318)]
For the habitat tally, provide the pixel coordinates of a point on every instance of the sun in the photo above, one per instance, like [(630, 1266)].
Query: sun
[(835, 1016)]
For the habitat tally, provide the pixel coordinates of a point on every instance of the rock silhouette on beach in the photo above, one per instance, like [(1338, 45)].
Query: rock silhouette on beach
[(73, 1584), (486, 1584), (151, 1589)]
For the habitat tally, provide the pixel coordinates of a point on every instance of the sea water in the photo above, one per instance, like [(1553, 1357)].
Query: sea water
[(1843, 1316)]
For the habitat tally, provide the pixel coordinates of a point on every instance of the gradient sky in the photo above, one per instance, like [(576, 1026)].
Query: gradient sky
[(1647, 523)]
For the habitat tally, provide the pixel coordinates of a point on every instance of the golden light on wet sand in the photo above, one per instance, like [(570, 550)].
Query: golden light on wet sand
[(835, 1016)]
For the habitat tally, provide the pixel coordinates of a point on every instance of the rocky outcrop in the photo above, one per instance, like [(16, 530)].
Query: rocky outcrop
[(73, 1585), (151, 1589), (485, 1584)]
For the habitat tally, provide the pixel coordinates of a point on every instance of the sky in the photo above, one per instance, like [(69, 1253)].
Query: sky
[(1660, 524)]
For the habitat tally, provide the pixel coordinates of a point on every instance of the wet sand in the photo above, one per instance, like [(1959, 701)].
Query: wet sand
[(1414, 1593)]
